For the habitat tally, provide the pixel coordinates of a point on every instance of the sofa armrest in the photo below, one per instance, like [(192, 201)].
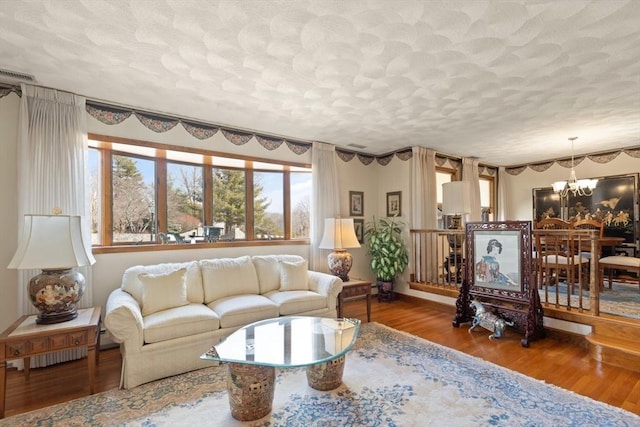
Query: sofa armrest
[(124, 319), (325, 284)]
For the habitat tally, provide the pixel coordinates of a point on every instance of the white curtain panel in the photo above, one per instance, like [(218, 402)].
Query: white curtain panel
[(325, 201), (424, 193), (471, 173), (424, 203), (52, 174), (502, 214)]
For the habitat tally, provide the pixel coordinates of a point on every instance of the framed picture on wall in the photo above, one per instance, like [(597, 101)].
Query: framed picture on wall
[(356, 203), (394, 203), (546, 204), (614, 202)]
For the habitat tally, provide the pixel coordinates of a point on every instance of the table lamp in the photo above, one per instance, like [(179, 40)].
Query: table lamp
[(55, 244), (339, 234)]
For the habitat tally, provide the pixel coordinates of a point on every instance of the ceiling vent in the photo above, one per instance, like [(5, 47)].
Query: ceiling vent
[(361, 147), (9, 76)]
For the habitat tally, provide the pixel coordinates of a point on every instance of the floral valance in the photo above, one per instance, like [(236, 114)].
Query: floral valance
[(113, 115), (567, 162)]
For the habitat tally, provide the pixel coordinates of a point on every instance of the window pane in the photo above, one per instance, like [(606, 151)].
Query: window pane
[(95, 197), (441, 178), (133, 199), (268, 205), (184, 200), (485, 193), (485, 197), (229, 206), (300, 205)]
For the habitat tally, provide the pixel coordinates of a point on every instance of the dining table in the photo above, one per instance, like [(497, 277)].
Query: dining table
[(607, 245)]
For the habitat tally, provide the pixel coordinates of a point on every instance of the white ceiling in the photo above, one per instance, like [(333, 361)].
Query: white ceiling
[(505, 81)]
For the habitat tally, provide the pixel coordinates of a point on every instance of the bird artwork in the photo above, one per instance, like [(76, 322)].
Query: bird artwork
[(610, 203)]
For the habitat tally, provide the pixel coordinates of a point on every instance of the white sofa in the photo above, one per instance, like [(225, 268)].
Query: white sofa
[(165, 316)]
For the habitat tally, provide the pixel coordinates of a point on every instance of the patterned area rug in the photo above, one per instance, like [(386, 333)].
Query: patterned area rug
[(623, 299), (391, 379)]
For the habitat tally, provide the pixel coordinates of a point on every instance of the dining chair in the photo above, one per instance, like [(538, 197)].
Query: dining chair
[(553, 224), (588, 224), (628, 264), (558, 255)]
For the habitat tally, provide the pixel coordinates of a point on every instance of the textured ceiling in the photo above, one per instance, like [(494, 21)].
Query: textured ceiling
[(505, 81)]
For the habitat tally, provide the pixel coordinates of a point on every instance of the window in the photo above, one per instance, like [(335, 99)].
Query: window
[(229, 202), (300, 205), (487, 197), (442, 176), (147, 193), (268, 205), (185, 200), (133, 196)]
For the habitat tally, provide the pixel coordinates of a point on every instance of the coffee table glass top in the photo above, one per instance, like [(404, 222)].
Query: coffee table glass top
[(288, 341)]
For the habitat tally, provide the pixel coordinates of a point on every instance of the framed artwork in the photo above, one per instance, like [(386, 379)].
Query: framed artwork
[(356, 203), (546, 204), (614, 202), (394, 203), (498, 275), (358, 225), (501, 259)]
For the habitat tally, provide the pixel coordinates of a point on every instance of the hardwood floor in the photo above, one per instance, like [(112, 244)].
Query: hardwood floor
[(553, 360)]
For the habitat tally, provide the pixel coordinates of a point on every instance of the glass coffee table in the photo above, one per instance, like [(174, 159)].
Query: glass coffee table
[(253, 352)]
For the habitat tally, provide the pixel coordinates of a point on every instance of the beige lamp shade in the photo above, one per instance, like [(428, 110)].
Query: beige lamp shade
[(339, 234), (51, 242), (55, 244), (456, 198)]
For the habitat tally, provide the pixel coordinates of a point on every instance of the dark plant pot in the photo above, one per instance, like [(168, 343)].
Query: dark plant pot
[(385, 291)]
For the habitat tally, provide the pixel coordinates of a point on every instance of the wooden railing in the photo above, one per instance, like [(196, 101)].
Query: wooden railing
[(439, 256)]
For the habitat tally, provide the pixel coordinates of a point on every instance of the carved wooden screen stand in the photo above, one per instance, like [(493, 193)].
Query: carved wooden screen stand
[(499, 274)]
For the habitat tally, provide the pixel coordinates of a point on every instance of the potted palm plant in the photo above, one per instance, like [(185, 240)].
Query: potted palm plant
[(383, 238)]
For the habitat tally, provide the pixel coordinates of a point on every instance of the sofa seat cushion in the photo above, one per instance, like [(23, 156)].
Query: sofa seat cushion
[(294, 302), (180, 322), (240, 310)]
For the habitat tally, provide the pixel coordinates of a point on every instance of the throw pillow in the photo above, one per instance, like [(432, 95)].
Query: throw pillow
[(163, 291), (293, 276)]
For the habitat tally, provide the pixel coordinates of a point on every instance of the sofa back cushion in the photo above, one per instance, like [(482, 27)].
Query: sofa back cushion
[(132, 285), (268, 269), (163, 291), (225, 277)]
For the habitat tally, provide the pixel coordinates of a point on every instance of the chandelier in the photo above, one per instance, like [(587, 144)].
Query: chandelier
[(579, 187)]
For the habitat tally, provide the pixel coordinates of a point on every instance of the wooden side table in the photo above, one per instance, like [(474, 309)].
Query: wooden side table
[(24, 338), (352, 290)]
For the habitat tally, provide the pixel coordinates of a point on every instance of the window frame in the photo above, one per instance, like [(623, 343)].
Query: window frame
[(105, 145)]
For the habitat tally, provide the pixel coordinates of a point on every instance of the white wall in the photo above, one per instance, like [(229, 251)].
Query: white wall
[(356, 176)]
